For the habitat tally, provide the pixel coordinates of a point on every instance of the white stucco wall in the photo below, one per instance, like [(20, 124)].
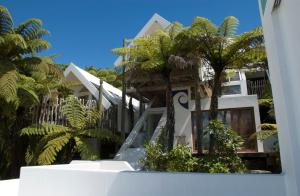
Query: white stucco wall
[(281, 30), (56, 181), (183, 122)]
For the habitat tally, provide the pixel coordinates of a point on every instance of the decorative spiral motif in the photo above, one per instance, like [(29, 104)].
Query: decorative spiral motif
[(182, 97)]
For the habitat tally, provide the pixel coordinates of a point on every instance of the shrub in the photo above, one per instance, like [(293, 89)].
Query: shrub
[(180, 159), (227, 144), (155, 159)]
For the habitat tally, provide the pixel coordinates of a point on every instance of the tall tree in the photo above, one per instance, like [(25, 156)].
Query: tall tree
[(24, 79), (221, 48), (152, 54)]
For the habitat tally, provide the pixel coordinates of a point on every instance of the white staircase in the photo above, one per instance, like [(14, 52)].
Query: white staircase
[(133, 149)]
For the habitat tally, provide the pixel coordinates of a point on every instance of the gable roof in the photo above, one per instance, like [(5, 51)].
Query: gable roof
[(111, 94), (155, 22)]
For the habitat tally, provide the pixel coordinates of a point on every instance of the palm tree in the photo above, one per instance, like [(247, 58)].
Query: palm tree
[(74, 138), (152, 54), (24, 79), (221, 48), (18, 46)]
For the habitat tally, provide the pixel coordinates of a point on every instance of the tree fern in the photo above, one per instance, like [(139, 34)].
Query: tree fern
[(74, 112), (228, 27), (31, 29), (101, 134), (6, 22), (48, 156), (51, 138), (85, 149), (43, 129), (8, 85)]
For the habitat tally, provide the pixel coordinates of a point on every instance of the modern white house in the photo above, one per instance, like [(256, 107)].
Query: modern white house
[(238, 106), (282, 30)]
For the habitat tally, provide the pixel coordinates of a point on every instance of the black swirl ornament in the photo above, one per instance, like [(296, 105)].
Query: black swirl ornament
[(182, 97)]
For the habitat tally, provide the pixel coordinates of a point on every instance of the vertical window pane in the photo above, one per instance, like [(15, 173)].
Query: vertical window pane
[(240, 120)]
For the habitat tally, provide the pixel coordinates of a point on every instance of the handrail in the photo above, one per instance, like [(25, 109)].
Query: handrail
[(160, 126), (135, 131)]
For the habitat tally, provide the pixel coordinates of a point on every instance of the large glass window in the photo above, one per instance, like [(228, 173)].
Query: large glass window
[(231, 90), (240, 120)]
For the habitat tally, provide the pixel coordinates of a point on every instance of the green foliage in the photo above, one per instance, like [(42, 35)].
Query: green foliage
[(267, 130), (227, 141), (219, 167), (155, 54), (25, 78), (107, 74), (53, 139), (181, 159), (155, 159)]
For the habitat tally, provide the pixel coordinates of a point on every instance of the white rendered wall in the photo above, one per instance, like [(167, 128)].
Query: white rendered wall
[(183, 122), (53, 181), (282, 30), (9, 187)]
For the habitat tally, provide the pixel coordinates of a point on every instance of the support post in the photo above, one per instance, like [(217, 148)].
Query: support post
[(100, 89), (123, 98)]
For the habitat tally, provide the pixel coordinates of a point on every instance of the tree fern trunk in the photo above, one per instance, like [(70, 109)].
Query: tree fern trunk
[(199, 123), (214, 105), (170, 116)]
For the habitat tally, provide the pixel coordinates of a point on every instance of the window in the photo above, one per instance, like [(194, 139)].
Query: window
[(240, 120), (232, 76), (231, 90)]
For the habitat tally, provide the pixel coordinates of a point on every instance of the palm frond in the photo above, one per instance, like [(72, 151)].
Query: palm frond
[(31, 29), (228, 27), (43, 129), (6, 22), (101, 134), (37, 45), (85, 149), (201, 24), (74, 112), (52, 148), (14, 41), (8, 84)]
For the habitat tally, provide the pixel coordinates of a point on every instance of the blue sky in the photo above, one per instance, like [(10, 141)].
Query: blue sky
[(84, 32)]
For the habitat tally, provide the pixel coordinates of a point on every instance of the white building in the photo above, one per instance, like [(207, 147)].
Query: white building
[(282, 32), (237, 108)]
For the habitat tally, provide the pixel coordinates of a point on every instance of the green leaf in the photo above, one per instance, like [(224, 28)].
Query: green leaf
[(74, 112), (8, 84), (50, 151), (85, 149), (6, 22), (229, 26)]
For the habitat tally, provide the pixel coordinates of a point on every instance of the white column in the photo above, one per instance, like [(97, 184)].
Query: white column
[(282, 38)]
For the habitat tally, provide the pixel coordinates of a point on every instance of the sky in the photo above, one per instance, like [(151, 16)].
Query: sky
[(85, 32)]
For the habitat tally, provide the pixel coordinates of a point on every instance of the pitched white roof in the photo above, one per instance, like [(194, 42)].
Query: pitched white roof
[(146, 30), (111, 94)]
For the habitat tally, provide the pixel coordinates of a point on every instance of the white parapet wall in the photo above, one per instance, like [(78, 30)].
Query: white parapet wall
[(78, 181), (280, 21), (9, 187)]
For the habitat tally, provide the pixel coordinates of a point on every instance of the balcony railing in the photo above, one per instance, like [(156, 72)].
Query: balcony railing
[(257, 87)]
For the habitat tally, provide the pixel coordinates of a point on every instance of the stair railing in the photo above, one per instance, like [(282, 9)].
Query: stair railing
[(135, 131), (159, 128)]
